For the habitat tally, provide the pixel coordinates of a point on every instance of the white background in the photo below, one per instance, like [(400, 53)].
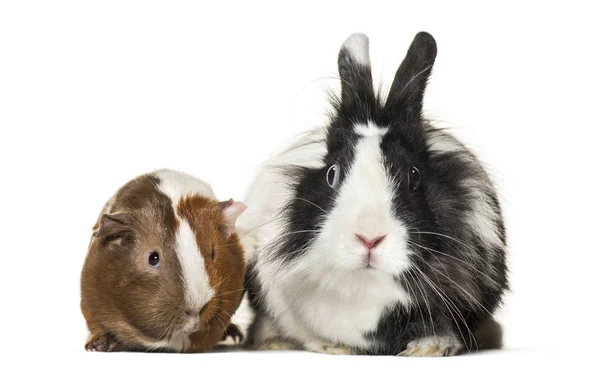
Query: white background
[(94, 93)]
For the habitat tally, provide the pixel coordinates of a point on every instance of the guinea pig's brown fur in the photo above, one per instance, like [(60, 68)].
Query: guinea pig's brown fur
[(164, 269)]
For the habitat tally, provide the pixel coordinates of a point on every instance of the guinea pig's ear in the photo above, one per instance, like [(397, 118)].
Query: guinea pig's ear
[(112, 226), (407, 91), (231, 210), (354, 67)]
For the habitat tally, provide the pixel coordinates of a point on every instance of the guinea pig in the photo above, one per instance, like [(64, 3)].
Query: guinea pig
[(164, 269), (378, 233)]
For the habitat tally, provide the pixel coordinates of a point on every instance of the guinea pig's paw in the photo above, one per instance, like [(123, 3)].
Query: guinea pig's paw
[(276, 345), (330, 349), (100, 343), (432, 346), (234, 332)]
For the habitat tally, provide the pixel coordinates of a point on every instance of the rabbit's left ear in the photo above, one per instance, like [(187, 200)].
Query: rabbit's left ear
[(407, 91), (354, 67)]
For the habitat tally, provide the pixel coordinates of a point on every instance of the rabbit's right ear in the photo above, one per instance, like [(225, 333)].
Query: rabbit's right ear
[(354, 67)]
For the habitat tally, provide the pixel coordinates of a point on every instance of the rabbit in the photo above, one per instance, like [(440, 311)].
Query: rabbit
[(378, 233), (164, 269)]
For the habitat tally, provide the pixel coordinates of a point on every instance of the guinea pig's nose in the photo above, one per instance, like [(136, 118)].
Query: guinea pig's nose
[(191, 321)]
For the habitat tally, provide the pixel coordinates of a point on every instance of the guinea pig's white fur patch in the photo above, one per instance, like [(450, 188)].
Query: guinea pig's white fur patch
[(198, 290), (197, 287), (176, 184)]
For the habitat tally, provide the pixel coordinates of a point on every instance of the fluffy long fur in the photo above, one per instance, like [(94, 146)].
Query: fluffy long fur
[(439, 274)]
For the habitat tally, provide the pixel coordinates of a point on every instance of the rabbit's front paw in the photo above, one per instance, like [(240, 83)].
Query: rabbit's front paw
[(328, 348), (432, 346), (276, 344)]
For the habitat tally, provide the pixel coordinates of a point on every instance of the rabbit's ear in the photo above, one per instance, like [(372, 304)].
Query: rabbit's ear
[(407, 91), (354, 68)]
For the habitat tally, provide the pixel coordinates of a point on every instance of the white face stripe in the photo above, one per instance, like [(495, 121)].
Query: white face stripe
[(197, 286), (370, 129), (367, 192), (195, 279)]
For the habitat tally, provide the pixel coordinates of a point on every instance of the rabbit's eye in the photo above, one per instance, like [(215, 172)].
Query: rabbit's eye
[(154, 259), (414, 178), (333, 175)]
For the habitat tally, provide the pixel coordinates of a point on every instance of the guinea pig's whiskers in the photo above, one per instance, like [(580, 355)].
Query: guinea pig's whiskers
[(167, 331), (219, 308), (217, 318), (225, 293), (206, 328), (221, 318), (223, 280)]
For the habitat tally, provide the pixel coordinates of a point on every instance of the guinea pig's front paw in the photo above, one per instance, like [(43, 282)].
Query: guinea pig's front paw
[(432, 347), (234, 332), (100, 343)]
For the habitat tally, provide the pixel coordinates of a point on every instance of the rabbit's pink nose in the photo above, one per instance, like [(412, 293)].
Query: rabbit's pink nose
[(370, 243)]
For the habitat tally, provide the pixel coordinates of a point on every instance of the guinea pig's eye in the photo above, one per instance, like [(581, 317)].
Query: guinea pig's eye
[(414, 178), (154, 259), (213, 252), (333, 175)]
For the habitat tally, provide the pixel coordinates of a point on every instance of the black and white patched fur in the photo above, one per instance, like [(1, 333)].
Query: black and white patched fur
[(378, 234)]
